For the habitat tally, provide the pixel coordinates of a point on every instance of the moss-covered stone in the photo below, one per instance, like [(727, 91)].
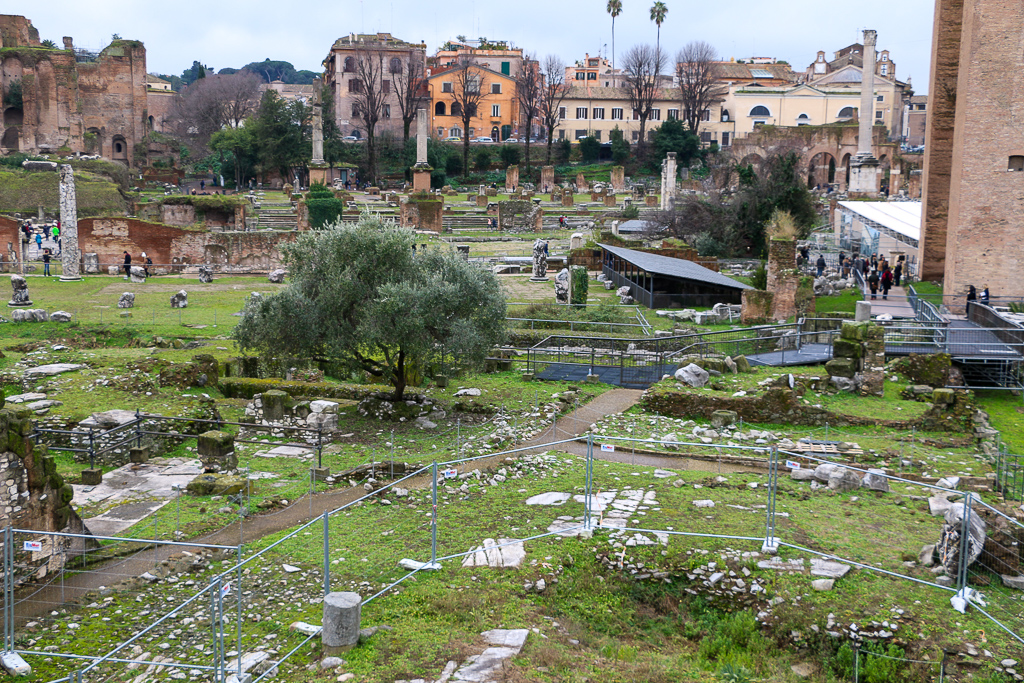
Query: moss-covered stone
[(943, 397), (217, 485), (276, 404), (854, 331), (846, 348), (841, 367), (924, 368)]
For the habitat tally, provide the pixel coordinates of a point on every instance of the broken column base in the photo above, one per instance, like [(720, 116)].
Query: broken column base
[(14, 665), (593, 379), (320, 473), (92, 476), (341, 622), (770, 546), (138, 456)]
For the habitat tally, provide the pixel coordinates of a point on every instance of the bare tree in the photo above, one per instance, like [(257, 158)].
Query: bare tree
[(211, 104), (553, 92), (528, 97), (409, 82), (370, 91), (697, 71), (468, 90), (641, 67)]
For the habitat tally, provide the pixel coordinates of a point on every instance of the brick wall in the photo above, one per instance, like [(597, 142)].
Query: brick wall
[(241, 251), (938, 151)]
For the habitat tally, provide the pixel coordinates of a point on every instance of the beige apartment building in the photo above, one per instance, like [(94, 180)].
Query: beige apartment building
[(341, 76), (596, 110)]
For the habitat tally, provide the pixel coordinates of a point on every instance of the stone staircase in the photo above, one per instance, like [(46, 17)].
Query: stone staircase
[(277, 217)]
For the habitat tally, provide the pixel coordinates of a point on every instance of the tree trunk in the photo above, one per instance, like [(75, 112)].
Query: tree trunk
[(407, 123), (529, 134), (398, 378), (551, 136), (465, 150)]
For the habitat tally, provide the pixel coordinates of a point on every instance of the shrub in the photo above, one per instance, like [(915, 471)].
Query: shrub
[(759, 280), (631, 212), (563, 150), (509, 155), (319, 191), (324, 211), (590, 149), (453, 164), (482, 158), (247, 387), (580, 286)]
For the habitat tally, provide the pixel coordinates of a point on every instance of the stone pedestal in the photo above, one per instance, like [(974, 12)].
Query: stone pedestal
[(217, 451), (275, 405), (318, 173), (421, 178), (482, 200), (320, 473), (567, 198), (92, 263), (423, 212), (342, 614), (864, 171), (138, 456), (92, 476), (609, 200), (863, 313)]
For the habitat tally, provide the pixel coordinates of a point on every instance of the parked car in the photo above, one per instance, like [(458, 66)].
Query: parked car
[(484, 140), (351, 138), (453, 139)]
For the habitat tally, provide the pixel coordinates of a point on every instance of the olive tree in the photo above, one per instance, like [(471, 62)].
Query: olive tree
[(361, 296)]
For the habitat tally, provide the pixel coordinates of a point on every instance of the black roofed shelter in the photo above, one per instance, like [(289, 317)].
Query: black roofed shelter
[(664, 282)]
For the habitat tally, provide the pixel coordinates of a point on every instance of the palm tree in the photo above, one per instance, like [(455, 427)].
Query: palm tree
[(614, 9), (658, 12)]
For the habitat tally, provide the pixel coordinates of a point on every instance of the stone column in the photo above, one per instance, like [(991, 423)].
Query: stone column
[(547, 178), (421, 171), (68, 226), (511, 178), (318, 134), (341, 622), (864, 165), (618, 178), (668, 181)]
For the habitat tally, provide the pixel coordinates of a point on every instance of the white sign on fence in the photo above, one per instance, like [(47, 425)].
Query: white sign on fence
[(34, 546), (608, 448), (450, 474), (792, 464)]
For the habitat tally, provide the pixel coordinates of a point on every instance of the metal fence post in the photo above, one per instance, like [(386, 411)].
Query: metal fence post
[(856, 662), (433, 516), (92, 451), (773, 477), (327, 556), (8, 588), (588, 487), (138, 429)]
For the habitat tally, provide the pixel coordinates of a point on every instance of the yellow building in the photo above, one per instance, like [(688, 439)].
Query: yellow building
[(595, 110), (497, 110)]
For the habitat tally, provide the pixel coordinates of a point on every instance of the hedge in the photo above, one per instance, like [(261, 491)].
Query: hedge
[(323, 211), (247, 387)]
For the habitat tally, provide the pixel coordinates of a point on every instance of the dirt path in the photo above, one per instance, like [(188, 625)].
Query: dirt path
[(35, 601)]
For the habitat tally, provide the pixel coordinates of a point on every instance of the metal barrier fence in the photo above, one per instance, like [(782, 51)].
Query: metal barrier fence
[(1009, 470), (396, 542)]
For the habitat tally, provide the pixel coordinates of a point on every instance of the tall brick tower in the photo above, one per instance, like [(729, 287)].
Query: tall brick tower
[(972, 225)]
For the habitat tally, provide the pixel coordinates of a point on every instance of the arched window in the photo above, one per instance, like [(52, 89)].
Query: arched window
[(846, 113), (803, 120), (439, 109), (760, 110), (456, 109), (356, 111), (455, 132), (152, 122), (1016, 163), (120, 148), (725, 115), (350, 64), (396, 65)]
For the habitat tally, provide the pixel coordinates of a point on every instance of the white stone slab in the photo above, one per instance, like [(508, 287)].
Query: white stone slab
[(511, 638), (52, 369), (828, 568), (551, 498), (23, 398), (288, 452)]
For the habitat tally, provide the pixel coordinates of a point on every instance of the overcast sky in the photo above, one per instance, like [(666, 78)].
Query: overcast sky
[(227, 33)]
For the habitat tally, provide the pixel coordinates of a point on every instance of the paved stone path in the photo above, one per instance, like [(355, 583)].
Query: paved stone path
[(896, 305)]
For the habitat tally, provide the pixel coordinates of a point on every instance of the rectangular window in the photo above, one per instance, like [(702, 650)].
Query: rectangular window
[(616, 114), (473, 84), (355, 85), (706, 116), (561, 112), (495, 88), (506, 68), (580, 134), (878, 114), (725, 139), (636, 135), (385, 87), (386, 111), (636, 115), (591, 75), (655, 115), (880, 98), (495, 110), (561, 134), (705, 136), (580, 76), (597, 134), (598, 113), (446, 87), (581, 113), (885, 69), (673, 114), (592, 62)]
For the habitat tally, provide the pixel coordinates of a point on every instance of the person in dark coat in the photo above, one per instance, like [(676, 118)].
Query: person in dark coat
[(886, 282), (820, 264), (127, 265), (873, 283), (972, 296), (897, 272), (984, 296)]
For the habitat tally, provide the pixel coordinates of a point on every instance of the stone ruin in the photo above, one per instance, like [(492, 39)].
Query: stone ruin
[(20, 296), (179, 299), (562, 286), (858, 359), (519, 215), (206, 274), (788, 293)]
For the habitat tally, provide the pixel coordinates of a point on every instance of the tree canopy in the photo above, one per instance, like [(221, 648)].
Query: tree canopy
[(360, 296)]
